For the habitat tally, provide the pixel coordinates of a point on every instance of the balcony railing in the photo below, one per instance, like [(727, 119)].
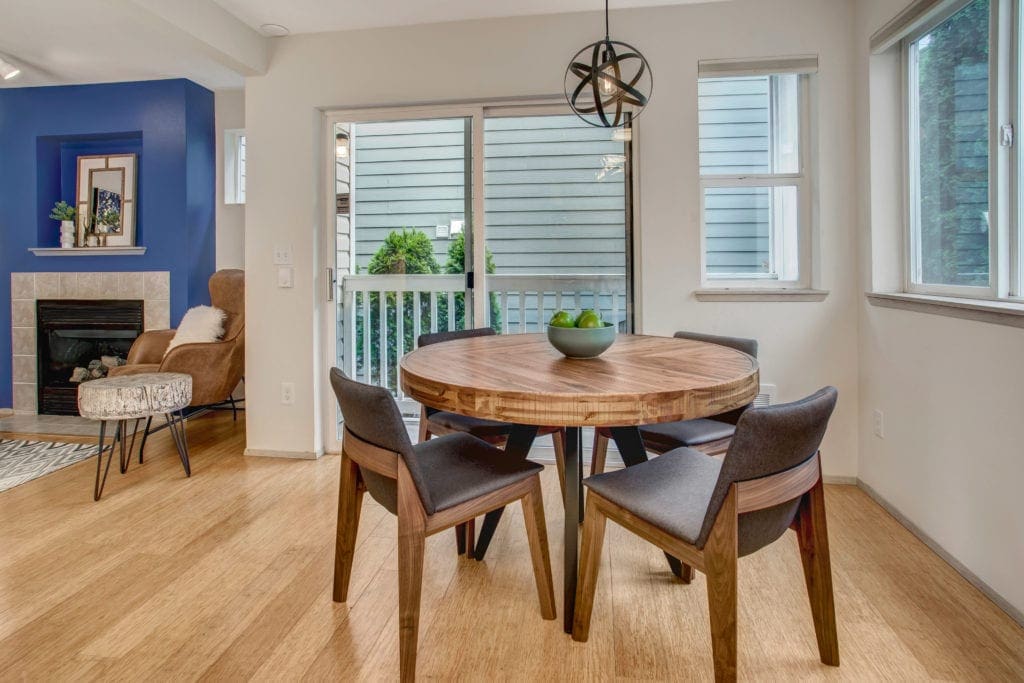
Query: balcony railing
[(373, 336)]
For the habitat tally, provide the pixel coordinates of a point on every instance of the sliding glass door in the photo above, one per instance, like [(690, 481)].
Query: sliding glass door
[(451, 218)]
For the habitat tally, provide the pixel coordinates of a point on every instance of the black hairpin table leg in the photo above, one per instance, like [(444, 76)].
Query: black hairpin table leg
[(97, 489), (176, 425)]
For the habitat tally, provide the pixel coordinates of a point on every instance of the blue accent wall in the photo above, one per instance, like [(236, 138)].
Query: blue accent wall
[(170, 126)]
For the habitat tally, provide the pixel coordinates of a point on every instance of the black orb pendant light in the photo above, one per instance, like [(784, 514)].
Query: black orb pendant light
[(605, 79)]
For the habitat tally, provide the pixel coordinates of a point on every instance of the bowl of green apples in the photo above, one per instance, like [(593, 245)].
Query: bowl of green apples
[(581, 336)]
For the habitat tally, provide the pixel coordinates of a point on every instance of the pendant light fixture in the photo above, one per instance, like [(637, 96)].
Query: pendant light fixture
[(607, 77)]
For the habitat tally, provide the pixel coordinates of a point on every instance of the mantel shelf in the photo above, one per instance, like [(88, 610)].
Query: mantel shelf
[(88, 251)]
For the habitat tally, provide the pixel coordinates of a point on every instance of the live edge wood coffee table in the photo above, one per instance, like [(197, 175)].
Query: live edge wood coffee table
[(135, 397), (523, 380)]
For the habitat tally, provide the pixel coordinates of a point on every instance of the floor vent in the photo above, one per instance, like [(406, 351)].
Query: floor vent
[(766, 395)]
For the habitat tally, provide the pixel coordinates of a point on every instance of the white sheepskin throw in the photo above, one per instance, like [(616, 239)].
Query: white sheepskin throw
[(200, 324)]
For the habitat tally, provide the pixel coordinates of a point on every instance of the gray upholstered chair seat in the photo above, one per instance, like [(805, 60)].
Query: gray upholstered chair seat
[(671, 491), (470, 425), (460, 467), (669, 435)]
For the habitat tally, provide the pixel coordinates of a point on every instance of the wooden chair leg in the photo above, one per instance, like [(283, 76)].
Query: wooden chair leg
[(599, 453), (686, 573), (470, 537), (349, 502), (590, 562), (812, 536), (424, 430), (558, 441), (537, 534), (411, 537), (720, 560)]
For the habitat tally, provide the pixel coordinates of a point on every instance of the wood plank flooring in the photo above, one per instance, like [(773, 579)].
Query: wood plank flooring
[(227, 576)]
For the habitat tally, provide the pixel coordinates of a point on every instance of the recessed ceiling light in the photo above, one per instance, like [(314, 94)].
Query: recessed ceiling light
[(274, 30)]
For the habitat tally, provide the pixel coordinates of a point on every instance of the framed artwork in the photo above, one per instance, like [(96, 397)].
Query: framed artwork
[(106, 199)]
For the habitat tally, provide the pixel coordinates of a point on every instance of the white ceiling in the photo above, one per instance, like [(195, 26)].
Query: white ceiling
[(212, 42), (312, 16), (57, 42)]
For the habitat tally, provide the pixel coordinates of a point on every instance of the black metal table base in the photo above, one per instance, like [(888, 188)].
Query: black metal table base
[(631, 446), (124, 447)]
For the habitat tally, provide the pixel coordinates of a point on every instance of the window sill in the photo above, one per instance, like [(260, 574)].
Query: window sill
[(754, 294), (996, 312)]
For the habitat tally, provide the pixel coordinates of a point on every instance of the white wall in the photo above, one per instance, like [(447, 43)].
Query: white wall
[(229, 113), (803, 345), (952, 459)]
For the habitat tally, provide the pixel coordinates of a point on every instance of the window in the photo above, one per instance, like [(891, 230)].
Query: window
[(755, 192), (234, 167), (960, 156)]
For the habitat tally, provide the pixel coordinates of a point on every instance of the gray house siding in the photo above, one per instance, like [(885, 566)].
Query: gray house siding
[(734, 128), (554, 191)]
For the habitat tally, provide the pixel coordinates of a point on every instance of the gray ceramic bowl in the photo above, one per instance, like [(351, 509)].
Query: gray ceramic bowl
[(585, 342)]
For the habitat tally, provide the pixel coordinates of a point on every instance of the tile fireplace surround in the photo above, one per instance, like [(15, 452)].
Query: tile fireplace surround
[(152, 287)]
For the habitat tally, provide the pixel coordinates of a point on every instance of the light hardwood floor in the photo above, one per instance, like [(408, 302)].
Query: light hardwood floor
[(227, 576)]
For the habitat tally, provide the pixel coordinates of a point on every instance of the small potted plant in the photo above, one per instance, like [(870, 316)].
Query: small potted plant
[(65, 213)]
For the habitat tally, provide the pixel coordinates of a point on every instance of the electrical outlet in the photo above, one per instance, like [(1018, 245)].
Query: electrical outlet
[(288, 393), (879, 424), (282, 255), (285, 277)]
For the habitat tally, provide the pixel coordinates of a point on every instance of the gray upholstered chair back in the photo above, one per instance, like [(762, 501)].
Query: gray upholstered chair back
[(747, 346), (371, 414), (769, 440), (438, 337)]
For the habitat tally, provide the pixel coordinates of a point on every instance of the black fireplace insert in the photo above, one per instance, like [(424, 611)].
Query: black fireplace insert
[(78, 340)]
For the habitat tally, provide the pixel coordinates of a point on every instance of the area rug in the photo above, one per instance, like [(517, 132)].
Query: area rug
[(23, 461)]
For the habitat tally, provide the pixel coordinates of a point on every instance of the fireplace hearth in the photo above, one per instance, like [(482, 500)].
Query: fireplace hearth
[(78, 340)]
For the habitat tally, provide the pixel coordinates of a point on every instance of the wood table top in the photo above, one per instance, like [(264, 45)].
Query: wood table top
[(522, 379)]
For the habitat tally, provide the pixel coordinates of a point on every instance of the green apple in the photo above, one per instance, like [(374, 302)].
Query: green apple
[(589, 319), (562, 319)]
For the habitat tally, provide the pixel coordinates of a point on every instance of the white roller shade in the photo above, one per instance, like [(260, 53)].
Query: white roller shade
[(723, 68), (911, 18)]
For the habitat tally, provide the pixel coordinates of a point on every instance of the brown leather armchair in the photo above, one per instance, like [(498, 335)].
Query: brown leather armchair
[(217, 367)]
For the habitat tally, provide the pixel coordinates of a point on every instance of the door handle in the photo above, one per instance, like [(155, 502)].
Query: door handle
[(330, 284)]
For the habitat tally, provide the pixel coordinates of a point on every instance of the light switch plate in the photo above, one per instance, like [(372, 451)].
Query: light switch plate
[(282, 254), (286, 277)]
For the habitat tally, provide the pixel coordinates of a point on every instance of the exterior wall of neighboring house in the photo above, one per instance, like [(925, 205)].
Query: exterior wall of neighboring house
[(554, 192)]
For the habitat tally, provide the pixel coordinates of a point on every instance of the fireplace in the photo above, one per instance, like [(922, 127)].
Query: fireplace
[(77, 341)]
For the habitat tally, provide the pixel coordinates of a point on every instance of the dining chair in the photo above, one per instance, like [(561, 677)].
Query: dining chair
[(431, 486), (710, 512), (439, 422), (709, 435)]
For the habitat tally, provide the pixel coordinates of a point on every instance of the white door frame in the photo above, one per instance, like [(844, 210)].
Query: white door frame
[(475, 235)]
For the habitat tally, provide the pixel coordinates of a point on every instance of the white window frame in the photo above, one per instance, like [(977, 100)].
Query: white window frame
[(234, 178), (1005, 190), (803, 180)]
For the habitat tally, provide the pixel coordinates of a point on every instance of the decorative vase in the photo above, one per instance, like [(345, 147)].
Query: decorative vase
[(92, 241), (67, 234), (103, 239)]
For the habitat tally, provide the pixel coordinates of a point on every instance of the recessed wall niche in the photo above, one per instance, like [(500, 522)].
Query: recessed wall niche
[(56, 173)]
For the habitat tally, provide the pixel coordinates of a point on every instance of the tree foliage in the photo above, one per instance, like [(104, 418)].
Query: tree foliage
[(952, 116)]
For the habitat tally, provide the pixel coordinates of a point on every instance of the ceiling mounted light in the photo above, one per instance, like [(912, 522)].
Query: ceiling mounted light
[(8, 70), (274, 30), (607, 77)]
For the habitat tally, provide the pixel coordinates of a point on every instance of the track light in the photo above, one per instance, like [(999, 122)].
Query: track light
[(8, 70)]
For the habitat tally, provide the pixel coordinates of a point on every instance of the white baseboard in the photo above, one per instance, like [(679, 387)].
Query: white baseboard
[(840, 480), (972, 578), (293, 455)]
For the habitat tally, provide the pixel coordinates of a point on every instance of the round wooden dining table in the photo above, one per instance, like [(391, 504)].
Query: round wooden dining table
[(521, 379)]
